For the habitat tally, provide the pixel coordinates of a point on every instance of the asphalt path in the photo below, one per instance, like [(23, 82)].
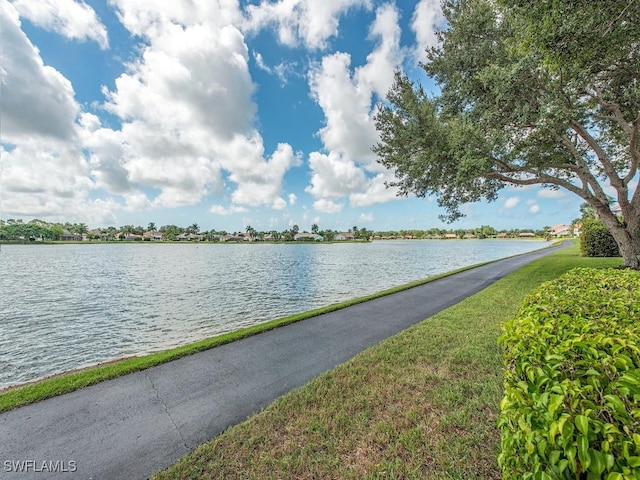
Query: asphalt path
[(133, 426)]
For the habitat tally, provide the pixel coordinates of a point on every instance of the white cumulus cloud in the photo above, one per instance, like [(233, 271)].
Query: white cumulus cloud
[(44, 171), (327, 206), (551, 193), (70, 18), (222, 210), (511, 202), (37, 100), (366, 218), (307, 22), (334, 176), (187, 112), (349, 168), (427, 19)]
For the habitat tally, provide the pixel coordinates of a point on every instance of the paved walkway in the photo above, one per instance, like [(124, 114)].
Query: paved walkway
[(135, 425)]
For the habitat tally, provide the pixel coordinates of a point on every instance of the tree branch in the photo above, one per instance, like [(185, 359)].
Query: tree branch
[(633, 152), (582, 169), (614, 108), (616, 181), (541, 180)]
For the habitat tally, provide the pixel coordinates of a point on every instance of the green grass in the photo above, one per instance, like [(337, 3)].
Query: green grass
[(422, 404), (72, 381)]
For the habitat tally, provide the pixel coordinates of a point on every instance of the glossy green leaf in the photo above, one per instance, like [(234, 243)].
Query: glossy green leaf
[(583, 451), (582, 423), (634, 461), (597, 462)]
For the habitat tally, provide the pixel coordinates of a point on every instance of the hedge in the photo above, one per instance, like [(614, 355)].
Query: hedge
[(571, 407), (596, 240)]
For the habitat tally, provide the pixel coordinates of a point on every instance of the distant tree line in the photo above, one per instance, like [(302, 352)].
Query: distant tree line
[(485, 231), (40, 230)]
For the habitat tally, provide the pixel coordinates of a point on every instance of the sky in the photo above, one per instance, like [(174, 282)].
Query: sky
[(224, 113)]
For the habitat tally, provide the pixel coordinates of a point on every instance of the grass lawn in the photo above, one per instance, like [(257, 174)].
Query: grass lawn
[(422, 404)]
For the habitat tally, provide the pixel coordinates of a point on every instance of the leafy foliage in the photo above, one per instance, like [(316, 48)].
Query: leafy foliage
[(597, 241), (571, 408), (530, 93), (35, 229)]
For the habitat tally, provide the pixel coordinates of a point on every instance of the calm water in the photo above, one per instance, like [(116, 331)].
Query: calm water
[(67, 306)]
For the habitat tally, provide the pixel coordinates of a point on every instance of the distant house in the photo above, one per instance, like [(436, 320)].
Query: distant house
[(560, 230), (469, 235), (577, 229), (502, 235), (128, 237), (233, 238), (152, 236), (301, 237), (344, 236), (67, 236), (527, 235), (450, 235), (188, 237)]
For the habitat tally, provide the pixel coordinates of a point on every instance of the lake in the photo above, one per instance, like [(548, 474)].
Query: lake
[(69, 306)]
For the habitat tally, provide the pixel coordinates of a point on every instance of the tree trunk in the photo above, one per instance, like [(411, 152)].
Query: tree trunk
[(628, 240), (625, 231)]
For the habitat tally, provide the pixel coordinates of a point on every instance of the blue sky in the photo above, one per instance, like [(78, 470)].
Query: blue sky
[(223, 113)]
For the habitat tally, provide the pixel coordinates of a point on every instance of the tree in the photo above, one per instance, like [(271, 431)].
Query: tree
[(251, 232), (329, 235), (365, 234), (314, 229), (79, 228), (170, 232), (587, 212), (542, 93), (151, 226)]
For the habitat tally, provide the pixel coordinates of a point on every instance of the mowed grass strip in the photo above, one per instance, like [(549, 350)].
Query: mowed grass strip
[(75, 380), (422, 404)]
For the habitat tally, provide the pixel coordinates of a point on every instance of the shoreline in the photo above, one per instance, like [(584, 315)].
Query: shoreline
[(65, 373)]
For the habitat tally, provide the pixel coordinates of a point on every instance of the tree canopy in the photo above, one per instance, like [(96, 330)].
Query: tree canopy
[(530, 93)]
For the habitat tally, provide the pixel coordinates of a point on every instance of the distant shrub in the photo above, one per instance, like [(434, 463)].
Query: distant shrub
[(597, 241), (571, 408)]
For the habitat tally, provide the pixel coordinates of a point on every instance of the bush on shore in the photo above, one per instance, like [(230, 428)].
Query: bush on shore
[(596, 240), (571, 408)]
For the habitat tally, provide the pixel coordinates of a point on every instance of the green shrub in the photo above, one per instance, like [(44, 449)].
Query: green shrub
[(571, 408), (597, 241)]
